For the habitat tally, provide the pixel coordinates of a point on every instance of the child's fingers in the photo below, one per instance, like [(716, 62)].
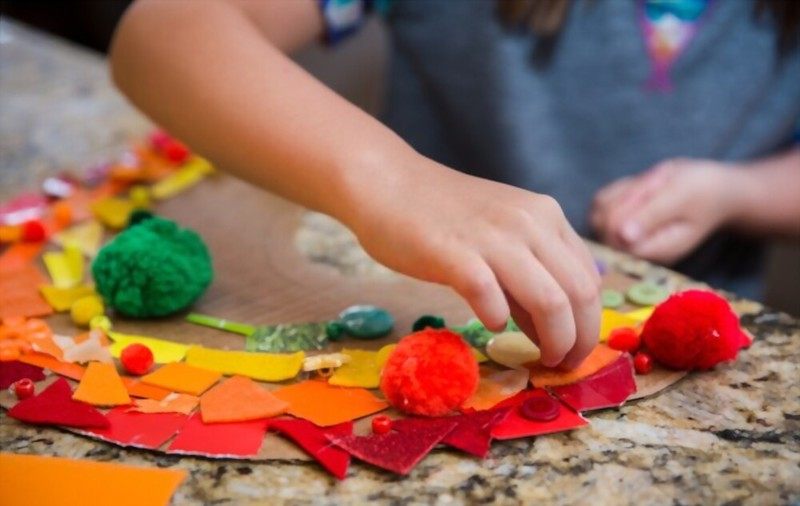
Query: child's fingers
[(472, 278), (667, 244), (656, 212), (619, 230), (524, 278)]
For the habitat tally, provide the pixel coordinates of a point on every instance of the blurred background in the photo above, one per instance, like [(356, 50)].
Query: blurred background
[(355, 68)]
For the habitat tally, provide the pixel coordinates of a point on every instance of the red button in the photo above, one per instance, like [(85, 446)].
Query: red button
[(540, 409)]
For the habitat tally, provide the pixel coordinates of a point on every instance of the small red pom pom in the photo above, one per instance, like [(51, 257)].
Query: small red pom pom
[(695, 329), (624, 339), (431, 373), (136, 359), (33, 231)]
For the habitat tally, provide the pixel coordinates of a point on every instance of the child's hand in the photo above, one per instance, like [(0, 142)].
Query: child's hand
[(666, 212), (505, 250)]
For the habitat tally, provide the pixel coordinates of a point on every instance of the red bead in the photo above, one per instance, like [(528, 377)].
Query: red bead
[(642, 363), (540, 409), (23, 388), (381, 424), (176, 151), (624, 339), (33, 231), (137, 359)]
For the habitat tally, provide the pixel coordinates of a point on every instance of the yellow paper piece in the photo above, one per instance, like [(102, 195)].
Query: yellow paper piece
[(190, 174), (362, 370), (163, 351), (260, 366), (611, 320), (61, 299), (642, 314), (383, 354), (113, 212), (86, 236), (479, 357), (66, 267)]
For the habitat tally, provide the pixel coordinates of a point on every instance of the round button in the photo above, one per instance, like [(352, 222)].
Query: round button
[(540, 409)]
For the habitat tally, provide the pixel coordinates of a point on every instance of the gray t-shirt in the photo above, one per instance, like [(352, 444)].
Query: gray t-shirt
[(466, 91)]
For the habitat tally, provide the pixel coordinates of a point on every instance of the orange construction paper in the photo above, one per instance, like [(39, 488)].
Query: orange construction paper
[(19, 255), (102, 386), (239, 399), (182, 377), (600, 357), (19, 292), (32, 479), (72, 371), (326, 405), (138, 389), (497, 386), (172, 403)]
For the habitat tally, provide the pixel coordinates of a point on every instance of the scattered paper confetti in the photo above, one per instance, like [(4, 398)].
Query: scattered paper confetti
[(182, 377), (19, 292), (55, 406), (61, 299), (612, 319), (65, 267), (496, 386), (473, 434), (315, 441), (260, 366), (13, 370), (362, 370), (19, 255), (102, 386), (72, 371), (187, 176), (239, 399), (326, 405), (164, 351), (600, 357), (172, 403), (138, 389), (85, 236), (517, 426), (112, 212), (234, 440), (58, 481), (28, 334), (399, 450), (90, 349), (607, 388), (142, 430)]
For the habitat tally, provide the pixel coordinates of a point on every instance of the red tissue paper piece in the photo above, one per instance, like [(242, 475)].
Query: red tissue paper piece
[(515, 425), (609, 387), (54, 406), (402, 448), (473, 434), (431, 373), (142, 430), (315, 441), (694, 329), (234, 440), (14, 370)]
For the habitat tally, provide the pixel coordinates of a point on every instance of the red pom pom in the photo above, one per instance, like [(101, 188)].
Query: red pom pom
[(33, 231), (136, 359), (431, 372), (694, 329)]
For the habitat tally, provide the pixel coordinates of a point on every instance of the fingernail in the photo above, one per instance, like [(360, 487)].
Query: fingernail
[(631, 231)]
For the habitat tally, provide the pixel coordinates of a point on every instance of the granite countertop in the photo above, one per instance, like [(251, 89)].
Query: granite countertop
[(728, 436)]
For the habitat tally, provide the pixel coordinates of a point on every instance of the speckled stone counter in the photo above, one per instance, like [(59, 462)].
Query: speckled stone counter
[(729, 436)]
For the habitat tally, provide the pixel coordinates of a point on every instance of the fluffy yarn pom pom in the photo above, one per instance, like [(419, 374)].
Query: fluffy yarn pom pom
[(695, 329), (431, 373), (154, 268)]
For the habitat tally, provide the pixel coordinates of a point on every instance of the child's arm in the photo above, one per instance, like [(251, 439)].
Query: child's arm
[(665, 213), (214, 73)]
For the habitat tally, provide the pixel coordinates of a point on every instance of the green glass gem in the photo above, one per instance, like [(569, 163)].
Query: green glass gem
[(646, 294), (335, 331), (425, 321), (611, 298), (288, 338), (366, 322), (479, 336)]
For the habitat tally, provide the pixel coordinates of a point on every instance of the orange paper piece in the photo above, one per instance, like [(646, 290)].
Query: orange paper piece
[(497, 386), (72, 371), (27, 335), (326, 405), (182, 377), (19, 292), (138, 389), (172, 403), (102, 386), (600, 357), (19, 255), (239, 399), (55, 481)]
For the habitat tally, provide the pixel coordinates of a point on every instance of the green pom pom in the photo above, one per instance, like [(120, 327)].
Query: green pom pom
[(155, 268)]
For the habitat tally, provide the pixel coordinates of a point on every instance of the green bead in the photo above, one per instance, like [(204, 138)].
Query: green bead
[(646, 294), (611, 298), (335, 331), (366, 322), (426, 321)]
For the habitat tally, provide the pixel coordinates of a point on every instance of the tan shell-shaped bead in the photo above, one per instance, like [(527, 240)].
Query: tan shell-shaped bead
[(512, 349)]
